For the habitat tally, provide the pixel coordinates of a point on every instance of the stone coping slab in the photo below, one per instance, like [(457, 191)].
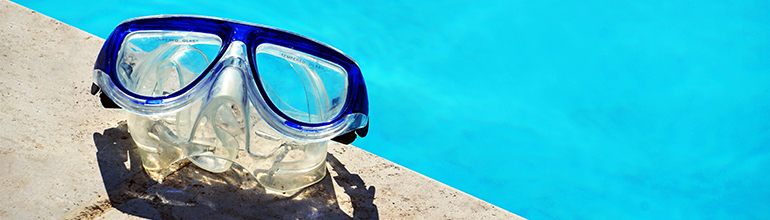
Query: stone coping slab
[(67, 157)]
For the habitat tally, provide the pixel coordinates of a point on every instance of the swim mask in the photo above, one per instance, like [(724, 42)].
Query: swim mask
[(219, 92)]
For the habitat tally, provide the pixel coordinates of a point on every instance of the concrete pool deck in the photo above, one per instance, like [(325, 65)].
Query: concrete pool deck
[(67, 157)]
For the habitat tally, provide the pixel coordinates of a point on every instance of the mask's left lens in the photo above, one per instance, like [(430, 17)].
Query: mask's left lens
[(158, 63)]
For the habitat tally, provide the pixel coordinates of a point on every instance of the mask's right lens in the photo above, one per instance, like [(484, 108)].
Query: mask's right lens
[(304, 87), (158, 63)]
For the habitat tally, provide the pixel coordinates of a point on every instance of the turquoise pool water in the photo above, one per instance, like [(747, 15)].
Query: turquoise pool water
[(549, 109)]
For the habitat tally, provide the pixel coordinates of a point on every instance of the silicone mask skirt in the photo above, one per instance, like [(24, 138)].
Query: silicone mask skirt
[(226, 119)]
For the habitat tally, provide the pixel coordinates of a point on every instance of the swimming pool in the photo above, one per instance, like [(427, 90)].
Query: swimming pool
[(551, 110)]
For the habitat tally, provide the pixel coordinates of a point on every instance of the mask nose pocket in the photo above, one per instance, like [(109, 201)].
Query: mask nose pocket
[(221, 129), (301, 86), (218, 136)]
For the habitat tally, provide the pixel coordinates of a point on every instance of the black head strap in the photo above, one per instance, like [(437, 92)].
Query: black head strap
[(106, 101)]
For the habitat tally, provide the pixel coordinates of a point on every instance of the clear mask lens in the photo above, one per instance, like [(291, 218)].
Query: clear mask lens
[(158, 63), (304, 87)]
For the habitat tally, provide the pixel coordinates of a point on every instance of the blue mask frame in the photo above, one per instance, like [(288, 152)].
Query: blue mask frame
[(252, 35)]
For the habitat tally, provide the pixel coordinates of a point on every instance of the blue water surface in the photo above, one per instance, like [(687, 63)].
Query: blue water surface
[(549, 109)]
